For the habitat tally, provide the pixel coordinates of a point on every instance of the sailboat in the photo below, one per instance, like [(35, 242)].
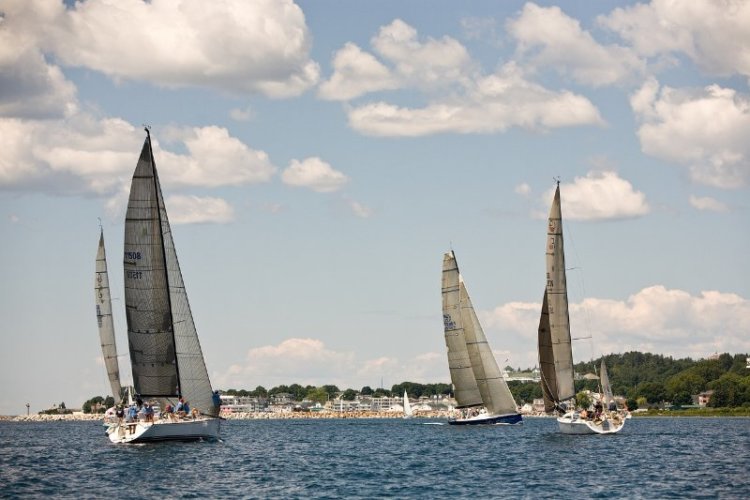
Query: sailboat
[(103, 300), (165, 354), (555, 351), (408, 412), (480, 390)]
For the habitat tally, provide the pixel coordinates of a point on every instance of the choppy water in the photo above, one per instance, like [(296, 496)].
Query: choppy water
[(650, 458)]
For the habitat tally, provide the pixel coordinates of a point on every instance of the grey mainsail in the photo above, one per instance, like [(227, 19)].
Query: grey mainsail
[(165, 353), (103, 301), (493, 389), (462, 375), (606, 387), (555, 352)]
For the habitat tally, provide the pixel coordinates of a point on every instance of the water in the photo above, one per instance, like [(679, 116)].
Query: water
[(650, 458)]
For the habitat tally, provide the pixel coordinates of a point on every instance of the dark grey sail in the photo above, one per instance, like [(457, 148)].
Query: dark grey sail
[(103, 301), (165, 353)]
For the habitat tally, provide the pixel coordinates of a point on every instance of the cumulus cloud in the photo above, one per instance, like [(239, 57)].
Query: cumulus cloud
[(655, 319), (196, 210), (308, 361), (550, 38), (261, 46), (315, 174), (358, 208), (663, 27), (599, 196), (89, 156), (703, 130), (492, 104), (406, 62), (706, 203), (30, 86)]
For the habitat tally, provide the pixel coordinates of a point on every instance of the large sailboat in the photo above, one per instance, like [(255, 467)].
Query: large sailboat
[(555, 351), (481, 392), (103, 301), (165, 354)]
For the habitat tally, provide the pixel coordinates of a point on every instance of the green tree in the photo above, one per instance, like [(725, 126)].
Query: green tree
[(366, 391), (317, 395), (583, 400), (654, 392), (349, 395)]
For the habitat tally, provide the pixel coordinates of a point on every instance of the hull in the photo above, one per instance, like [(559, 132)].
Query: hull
[(509, 419), (184, 430), (572, 423)]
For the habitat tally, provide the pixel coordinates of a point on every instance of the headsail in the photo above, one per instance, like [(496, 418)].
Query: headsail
[(104, 319), (465, 385), (607, 396), (493, 389), (555, 352), (407, 406), (165, 352)]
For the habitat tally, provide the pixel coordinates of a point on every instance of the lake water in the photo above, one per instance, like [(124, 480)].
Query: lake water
[(650, 458)]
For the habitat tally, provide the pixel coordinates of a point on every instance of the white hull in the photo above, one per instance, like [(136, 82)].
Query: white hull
[(572, 423), (163, 430)]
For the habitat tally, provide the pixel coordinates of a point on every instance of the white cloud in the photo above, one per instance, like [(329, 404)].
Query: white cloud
[(523, 189), (308, 361), (261, 46), (196, 210), (84, 155), (704, 130), (550, 38), (215, 159), (655, 319), (356, 73), (492, 104), (598, 196), (242, 114), (30, 87), (358, 209), (714, 34), (706, 203), (315, 174)]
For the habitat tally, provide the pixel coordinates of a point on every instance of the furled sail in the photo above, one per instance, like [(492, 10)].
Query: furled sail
[(555, 352), (104, 319), (493, 389), (462, 375), (165, 353), (606, 387)]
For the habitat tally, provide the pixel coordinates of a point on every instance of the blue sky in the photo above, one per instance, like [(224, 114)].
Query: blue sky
[(319, 157)]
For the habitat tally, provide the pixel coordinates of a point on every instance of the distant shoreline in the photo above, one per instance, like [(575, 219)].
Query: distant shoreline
[(693, 412)]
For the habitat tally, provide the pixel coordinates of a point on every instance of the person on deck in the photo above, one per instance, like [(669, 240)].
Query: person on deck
[(148, 411), (180, 408)]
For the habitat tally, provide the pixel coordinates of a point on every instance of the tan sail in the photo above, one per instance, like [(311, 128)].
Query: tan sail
[(464, 384)]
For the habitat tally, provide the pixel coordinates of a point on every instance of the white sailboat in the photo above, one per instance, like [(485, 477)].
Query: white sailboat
[(480, 390), (165, 354), (408, 412), (555, 352), (103, 301)]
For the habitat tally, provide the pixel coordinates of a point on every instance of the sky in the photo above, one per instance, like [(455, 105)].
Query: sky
[(318, 157)]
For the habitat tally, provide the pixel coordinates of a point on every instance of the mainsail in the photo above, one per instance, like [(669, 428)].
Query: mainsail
[(407, 406), (462, 375), (165, 352), (493, 389), (104, 319), (606, 387), (555, 352)]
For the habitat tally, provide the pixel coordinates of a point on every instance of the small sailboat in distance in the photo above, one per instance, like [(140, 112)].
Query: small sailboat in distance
[(480, 389), (408, 412), (554, 343), (165, 354), (103, 301)]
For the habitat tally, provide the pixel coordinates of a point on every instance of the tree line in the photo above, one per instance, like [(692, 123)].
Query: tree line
[(644, 379)]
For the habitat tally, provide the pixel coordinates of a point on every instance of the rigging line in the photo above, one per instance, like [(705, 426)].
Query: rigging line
[(586, 316)]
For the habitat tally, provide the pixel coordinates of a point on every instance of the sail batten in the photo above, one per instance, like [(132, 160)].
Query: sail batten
[(165, 353), (103, 300)]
